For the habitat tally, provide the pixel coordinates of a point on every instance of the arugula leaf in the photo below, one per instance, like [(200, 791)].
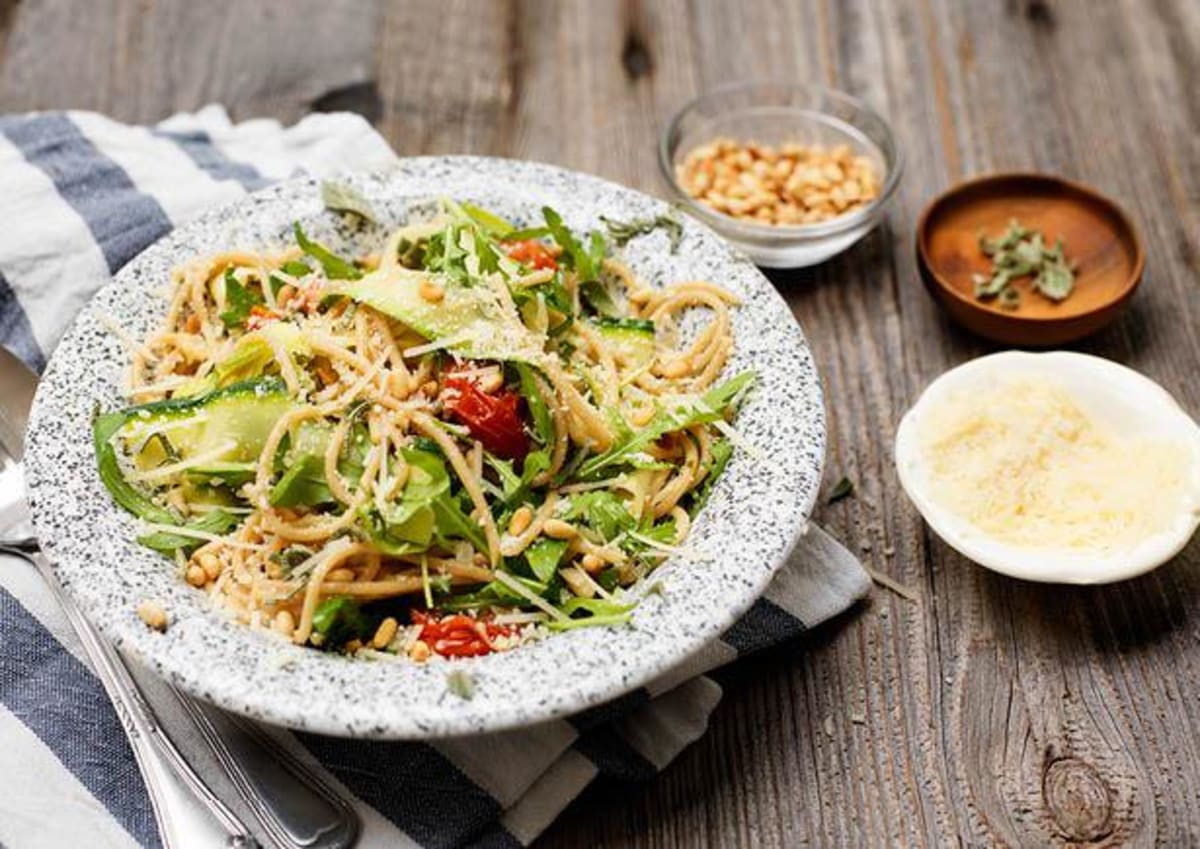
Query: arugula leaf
[(334, 266), (585, 261), (543, 421), (452, 522), (721, 450), (493, 594), (543, 557), (295, 268), (239, 300), (623, 231), (413, 519), (603, 511), (339, 197), (214, 522), (490, 222), (104, 428), (526, 233), (600, 612), (339, 620), (302, 484), (219, 473), (682, 414), (600, 298), (842, 489)]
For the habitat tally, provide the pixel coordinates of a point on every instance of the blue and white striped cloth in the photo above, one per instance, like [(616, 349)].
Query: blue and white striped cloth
[(81, 196)]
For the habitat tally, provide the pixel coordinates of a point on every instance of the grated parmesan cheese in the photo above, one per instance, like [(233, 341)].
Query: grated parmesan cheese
[(1025, 464)]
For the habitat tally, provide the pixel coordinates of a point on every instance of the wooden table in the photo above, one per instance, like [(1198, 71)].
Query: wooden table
[(989, 711)]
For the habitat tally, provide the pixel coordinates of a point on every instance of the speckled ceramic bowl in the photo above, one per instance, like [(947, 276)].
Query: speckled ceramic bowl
[(747, 528)]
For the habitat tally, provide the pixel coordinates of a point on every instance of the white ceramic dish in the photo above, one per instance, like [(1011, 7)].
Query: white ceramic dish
[(1118, 398), (747, 528)]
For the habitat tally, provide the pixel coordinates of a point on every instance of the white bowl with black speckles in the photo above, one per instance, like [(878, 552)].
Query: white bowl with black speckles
[(748, 527)]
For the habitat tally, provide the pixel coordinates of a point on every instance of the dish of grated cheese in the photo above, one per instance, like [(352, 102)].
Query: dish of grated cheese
[(1058, 466), (1028, 466)]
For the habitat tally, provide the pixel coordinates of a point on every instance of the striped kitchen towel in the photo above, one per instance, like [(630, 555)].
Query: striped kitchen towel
[(84, 194)]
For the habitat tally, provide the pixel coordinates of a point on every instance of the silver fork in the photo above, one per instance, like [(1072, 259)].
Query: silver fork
[(294, 808)]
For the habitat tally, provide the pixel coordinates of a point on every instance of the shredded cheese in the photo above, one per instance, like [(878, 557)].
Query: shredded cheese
[(1024, 463)]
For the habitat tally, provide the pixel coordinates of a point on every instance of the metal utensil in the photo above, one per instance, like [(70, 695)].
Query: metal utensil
[(294, 807)]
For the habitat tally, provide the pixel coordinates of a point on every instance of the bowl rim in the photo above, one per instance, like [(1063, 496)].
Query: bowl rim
[(1015, 318), (795, 232), (62, 482)]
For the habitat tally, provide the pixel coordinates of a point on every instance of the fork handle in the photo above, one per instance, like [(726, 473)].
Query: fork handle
[(173, 785), (295, 808)]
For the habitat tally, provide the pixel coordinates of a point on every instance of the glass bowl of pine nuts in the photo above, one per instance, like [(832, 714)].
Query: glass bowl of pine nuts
[(790, 173)]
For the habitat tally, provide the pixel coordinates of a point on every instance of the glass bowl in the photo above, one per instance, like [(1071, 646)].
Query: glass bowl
[(773, 113)]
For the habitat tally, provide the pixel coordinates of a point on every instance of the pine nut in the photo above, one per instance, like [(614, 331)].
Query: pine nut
[(558, 529), (340, 575), (385, 633), (284, 623), (419, 651), (431, 291), (152, 613), (211, 564), (520, 520), (591, 563), (674, 369), (754, 181), (196, 575), (576, 582), (353, 646)]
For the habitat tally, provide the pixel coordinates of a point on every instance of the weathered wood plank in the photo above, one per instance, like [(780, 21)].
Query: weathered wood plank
[(141, 61), (991, 712)]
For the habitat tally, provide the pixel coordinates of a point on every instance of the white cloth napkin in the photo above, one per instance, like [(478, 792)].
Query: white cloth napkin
[(83, 195)]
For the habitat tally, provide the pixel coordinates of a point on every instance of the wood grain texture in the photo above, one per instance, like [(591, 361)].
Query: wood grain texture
[(990, 712)]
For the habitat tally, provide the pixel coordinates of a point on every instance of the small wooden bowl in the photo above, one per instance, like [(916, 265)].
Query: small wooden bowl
[(1099, 238)]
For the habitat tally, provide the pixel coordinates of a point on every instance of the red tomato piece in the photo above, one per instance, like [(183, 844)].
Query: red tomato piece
[(533, 253), (494, 419), (458, 635), (260, 316)]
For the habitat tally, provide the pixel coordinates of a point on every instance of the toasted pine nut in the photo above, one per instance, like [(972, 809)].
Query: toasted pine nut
[(340, 575), (152, 613), (419, 651), (193, 323), (211, 564), (591, 563), (753, 181), (430, 388), (398, 383), (284, 623), (286, 292), (674, 368), (353, 646), (558, 529), (385, 633), (577, 582), (431, 291), (196, 576), (520, 520)]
